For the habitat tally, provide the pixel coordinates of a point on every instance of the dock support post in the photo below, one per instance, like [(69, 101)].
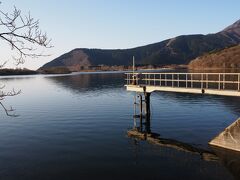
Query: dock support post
[(147, 102)]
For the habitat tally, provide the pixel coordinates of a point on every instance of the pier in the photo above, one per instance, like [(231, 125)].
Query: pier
[(224, 84)]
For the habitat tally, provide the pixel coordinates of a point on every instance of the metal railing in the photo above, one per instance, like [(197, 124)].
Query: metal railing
[(220, 81)]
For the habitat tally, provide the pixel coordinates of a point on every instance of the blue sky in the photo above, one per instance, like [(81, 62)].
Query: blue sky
[(120, 23)]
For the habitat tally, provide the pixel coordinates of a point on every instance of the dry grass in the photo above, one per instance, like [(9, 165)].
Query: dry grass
[(226, 58)]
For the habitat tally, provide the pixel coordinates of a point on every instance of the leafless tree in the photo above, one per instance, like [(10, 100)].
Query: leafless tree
[(24, 36)]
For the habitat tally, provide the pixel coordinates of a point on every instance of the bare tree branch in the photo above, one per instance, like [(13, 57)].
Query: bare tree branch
[(9, 112), (24, 36), (3, 95), (3, 64)]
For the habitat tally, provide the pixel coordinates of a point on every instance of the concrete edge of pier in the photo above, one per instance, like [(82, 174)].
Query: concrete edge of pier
[(229, 138), (139, 88)]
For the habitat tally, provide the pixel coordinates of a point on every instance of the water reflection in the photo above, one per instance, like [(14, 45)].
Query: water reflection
[(65, 131), (229, 102), (93, 82), (89, 82), (142, 131), (230, 159)]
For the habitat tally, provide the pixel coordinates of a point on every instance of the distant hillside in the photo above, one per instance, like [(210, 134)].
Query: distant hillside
[(226, 58), (178, 50), (9, 72)]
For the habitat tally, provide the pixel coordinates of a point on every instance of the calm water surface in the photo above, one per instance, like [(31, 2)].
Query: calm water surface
[(75, 127)]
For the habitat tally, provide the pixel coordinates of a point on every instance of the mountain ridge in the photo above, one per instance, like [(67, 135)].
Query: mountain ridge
[(178, 50)]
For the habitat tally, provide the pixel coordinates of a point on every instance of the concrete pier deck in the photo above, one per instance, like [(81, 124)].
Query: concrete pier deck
[(229, 138)]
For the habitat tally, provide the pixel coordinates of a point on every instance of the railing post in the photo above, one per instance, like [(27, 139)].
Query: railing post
[(224, 81), (178, 79), (238, 81), (219, 81), (149, 81), (137, 78), (132, 79), (145, 79), (165, 79), (206, 81), (215, 81), (191, 81), (186, 80), (154, 80), (129, 78), (160, 79)]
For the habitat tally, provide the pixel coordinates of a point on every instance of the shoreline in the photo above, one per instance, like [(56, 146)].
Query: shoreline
[(25, 72)]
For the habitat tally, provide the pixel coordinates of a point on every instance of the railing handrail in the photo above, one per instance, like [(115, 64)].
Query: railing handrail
[(183, 73), (190, 80)]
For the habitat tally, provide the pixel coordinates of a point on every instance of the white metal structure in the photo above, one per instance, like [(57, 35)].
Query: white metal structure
[(227, 84)]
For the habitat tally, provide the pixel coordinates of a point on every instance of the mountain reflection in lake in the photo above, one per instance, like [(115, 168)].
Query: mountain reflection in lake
[(75, 126)]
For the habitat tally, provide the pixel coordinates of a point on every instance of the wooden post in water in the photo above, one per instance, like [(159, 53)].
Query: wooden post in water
[(147, 102)]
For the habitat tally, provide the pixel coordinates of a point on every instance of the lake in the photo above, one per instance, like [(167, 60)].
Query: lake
[(75, 127)]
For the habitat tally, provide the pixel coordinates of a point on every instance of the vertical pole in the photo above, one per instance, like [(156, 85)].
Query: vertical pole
[(129, 79), (134, 105), (149, 81), (140, 96), (145, 79), (178, 79), (191, 81), (206, 81), (160, 79), (154, 80), (186, 80), (224, 81), (148, 124), (165, 79), (201, 81), (134, 122), (219, 81), (172, 80), (238, 82), (137, 79), (147, 102)]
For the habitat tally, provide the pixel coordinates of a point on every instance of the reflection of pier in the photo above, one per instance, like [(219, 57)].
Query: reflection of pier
[(230, 159), (142, 131)]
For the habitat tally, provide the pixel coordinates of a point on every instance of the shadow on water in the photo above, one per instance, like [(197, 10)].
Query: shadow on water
[(142, 131), (229, 102)]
